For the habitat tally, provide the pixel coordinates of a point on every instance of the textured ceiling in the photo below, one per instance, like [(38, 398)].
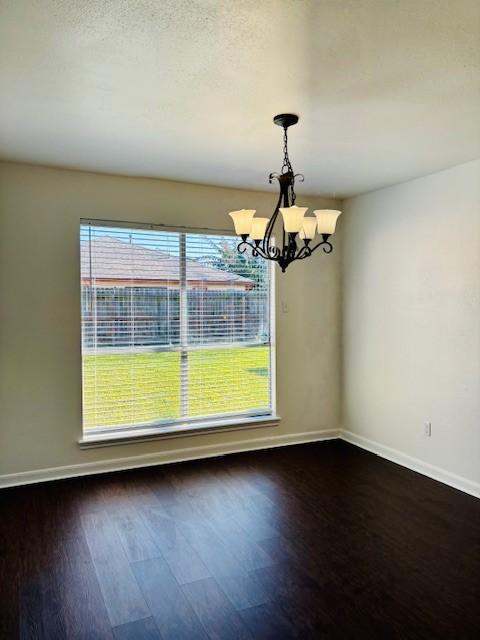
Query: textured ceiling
[(387, 90)]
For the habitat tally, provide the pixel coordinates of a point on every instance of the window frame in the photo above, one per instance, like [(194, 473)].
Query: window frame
[(104, 436)]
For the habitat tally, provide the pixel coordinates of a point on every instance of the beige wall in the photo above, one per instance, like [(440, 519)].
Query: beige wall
[(411, 315), (411, 306), (40, 382)]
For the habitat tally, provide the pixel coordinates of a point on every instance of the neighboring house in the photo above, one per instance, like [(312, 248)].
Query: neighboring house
[(113, 262), (131, 297)]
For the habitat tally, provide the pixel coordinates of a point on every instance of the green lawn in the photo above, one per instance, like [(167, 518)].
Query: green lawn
[(145, 387)]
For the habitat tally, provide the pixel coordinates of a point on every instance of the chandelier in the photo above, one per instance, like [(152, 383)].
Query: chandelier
[(298, 230)]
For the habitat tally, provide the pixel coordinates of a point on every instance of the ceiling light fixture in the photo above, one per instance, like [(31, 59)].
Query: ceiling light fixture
[(298, 231)]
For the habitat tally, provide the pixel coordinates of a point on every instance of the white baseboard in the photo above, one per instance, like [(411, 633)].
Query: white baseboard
[(163, 457), (426, 469), (212, 451)]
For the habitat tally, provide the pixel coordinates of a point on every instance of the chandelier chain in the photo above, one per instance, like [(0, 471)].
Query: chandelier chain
[(287, 165)]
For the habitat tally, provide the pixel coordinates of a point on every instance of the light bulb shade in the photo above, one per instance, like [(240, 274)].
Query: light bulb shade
[(327, 220), (293, 218), (259, 226), (242, 220), (308, 229)]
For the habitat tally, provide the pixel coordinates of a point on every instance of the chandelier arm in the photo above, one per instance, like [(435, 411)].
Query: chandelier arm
[(328, 247), (266, 246), (273, 175), (245, 244), (325, 244), (304, 252), (257, 250), (272, 253)]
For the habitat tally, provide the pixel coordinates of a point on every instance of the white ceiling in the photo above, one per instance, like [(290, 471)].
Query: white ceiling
[(387, 90)]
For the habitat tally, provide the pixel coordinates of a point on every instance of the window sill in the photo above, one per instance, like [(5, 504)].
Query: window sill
[(175, 431)]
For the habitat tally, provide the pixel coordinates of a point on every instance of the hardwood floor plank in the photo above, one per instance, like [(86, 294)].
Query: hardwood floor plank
[(137, 540), (172, 612), (139, 485), (54, 579), (40, 609), (244, 590), (287, 580), (269, 622), (10, 611), (336, 540), (120, 590), (163, 528), (84, 611), (145, 629), (257, 525), (215, 611), (279, 549), (10, 562), (250, 555), (184, 562), (219, 558)]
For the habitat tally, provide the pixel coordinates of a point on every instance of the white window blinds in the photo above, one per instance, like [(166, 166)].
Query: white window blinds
[(175, 328)]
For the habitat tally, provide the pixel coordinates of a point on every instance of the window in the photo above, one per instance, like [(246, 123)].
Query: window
[(176, 330)]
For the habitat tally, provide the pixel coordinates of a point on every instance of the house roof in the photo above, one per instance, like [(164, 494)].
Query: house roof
[(112, 259)]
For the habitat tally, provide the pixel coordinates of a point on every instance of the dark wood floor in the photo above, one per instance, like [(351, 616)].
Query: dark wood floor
[(312, 541)]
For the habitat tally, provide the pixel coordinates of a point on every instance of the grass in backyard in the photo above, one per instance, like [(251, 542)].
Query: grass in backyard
[(128, 389)]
